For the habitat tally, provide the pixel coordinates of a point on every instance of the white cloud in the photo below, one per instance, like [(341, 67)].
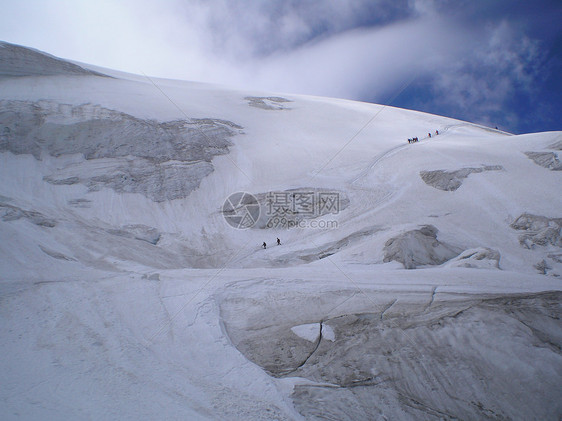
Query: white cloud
[(289, 45), (501, 65), (346, 64)]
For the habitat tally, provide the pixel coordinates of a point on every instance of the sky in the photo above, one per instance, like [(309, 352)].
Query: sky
[(494, 62)]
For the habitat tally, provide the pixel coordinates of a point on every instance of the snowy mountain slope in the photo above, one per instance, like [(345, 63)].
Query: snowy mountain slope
[(126, 293), (18, 61)]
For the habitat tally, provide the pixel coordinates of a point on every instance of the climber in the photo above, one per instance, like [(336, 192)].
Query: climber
[(264, 245)]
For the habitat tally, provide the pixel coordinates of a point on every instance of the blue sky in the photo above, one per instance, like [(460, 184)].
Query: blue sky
[(496, 62)]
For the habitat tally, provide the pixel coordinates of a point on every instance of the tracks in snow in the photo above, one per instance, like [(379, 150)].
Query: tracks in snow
[(398, 148), (379, 158)]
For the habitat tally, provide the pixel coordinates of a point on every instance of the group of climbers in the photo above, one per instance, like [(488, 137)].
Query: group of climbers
[(264, 245), (415, 139)]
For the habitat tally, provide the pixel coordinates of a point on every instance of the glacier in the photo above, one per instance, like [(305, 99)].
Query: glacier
[(432, 291)]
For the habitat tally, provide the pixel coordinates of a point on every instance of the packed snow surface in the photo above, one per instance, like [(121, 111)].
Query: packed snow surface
[(412, 281)]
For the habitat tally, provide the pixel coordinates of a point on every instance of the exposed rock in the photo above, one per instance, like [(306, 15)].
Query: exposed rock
[(538, 230), (161, 160), (452, 180), (547, 160), (419, 248)]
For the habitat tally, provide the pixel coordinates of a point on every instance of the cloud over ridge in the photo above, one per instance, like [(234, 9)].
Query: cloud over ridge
[(471, 60)]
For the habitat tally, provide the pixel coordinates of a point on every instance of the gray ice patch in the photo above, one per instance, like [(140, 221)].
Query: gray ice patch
[(556, 146), (542, 267), (419, 248), (159, 182), (452, 180), (138, 232), (16, 60), (55, 254), (403, 359), (479, 258), (62, 181), (80, 203), (548, 160), (538, 230), (13, 213), (268, 103), (152, 277), (161, 160)]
